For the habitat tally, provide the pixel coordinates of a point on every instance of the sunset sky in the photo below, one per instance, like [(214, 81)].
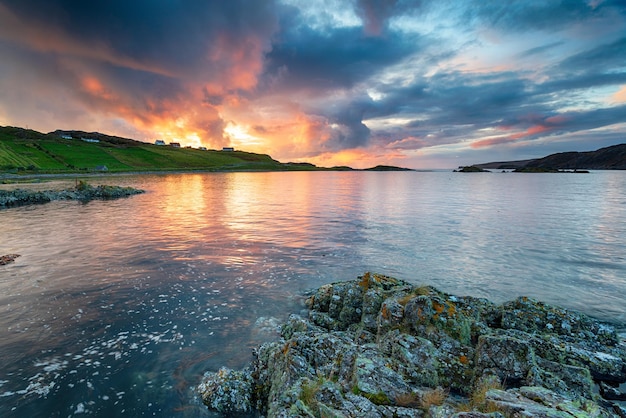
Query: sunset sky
[(420, 84)]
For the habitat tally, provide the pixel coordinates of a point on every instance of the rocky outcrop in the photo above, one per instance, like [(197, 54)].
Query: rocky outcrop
[(82, 192), (471, 169), (380, 347)]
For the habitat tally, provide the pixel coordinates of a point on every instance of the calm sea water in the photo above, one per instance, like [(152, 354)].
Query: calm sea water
[(116, 308)]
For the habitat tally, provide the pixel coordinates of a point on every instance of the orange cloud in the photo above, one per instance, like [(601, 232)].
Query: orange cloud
[(620, 96), (532, 131), (485, 143), (94, 87), (239, 62), (557, 120)]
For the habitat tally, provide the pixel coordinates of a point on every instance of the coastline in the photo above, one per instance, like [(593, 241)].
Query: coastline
[(379, 347), (78, 175)]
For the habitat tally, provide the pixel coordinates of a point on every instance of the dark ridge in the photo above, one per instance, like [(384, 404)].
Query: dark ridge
[(608, 158), (387, 168)]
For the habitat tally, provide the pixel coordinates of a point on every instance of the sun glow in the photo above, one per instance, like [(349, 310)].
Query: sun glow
[(176, 131), (240, 136)]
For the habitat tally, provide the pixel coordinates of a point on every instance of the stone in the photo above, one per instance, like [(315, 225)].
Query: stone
[(379, 347), (508, 358), (541, 402), (82, 191), (374, 377), (227, 391), (415, 358), (8, 258)]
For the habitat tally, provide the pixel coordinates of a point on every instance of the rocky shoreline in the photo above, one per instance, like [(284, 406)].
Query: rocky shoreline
[(381, 347), (83, 192)]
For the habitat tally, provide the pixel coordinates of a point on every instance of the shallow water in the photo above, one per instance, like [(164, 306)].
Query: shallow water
[(116, 308)]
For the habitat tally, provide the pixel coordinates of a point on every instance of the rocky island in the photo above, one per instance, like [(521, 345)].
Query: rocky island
[(83, 192), (381, 347)]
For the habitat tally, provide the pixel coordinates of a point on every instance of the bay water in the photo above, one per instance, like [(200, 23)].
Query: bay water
[(117, 307)]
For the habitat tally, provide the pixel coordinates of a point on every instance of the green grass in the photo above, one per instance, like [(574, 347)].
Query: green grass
[(83, 155), (28, 151), (24, 153)]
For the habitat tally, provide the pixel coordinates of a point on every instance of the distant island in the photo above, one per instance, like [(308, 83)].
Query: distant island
[(608, 158), (26, 152)]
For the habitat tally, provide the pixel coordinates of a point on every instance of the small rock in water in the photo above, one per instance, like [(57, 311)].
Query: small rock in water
[(9, 258)]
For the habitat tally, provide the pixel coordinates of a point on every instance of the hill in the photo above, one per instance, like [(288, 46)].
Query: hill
[(609, 158), (25, 151)]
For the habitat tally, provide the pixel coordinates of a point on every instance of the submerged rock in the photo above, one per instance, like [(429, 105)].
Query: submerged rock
[(380, 347)]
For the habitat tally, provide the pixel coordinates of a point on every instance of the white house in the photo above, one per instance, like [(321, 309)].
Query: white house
[(159, 142)]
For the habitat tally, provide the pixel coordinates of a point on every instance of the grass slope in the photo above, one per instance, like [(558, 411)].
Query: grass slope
[(28, 151)]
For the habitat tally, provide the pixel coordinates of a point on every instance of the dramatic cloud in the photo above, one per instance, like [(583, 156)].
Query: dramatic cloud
[(416, 83)]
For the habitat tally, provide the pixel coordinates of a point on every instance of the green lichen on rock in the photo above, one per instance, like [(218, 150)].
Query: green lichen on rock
[(379, 347), (228, 391)]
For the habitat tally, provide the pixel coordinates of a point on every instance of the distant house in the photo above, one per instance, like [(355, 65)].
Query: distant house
[(159, 142), (102, 168), (66, 136), (90, 140), (202, 148), (175, 144), (230, 149)]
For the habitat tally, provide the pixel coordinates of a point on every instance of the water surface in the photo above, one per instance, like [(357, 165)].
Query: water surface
[(116, 308)]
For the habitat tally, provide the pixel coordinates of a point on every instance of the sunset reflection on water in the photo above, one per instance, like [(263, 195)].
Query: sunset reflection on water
[(160, 287)]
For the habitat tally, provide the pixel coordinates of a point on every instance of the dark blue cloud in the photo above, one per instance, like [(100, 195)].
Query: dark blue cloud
[(307, 58), (599, 59), (174, 34)]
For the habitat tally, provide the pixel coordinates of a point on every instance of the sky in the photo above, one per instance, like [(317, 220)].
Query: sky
[(421, 84)]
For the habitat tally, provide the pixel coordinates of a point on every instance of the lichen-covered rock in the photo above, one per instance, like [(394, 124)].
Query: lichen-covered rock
[(374, 377), (508, 358), (390, 315), (604, 365), (541, 402), (531, 316), (415, 358), (227, 391), (379, 347), (372, 302), (568, 380)]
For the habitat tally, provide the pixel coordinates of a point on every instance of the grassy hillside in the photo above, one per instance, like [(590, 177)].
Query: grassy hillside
[(28, 151)]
